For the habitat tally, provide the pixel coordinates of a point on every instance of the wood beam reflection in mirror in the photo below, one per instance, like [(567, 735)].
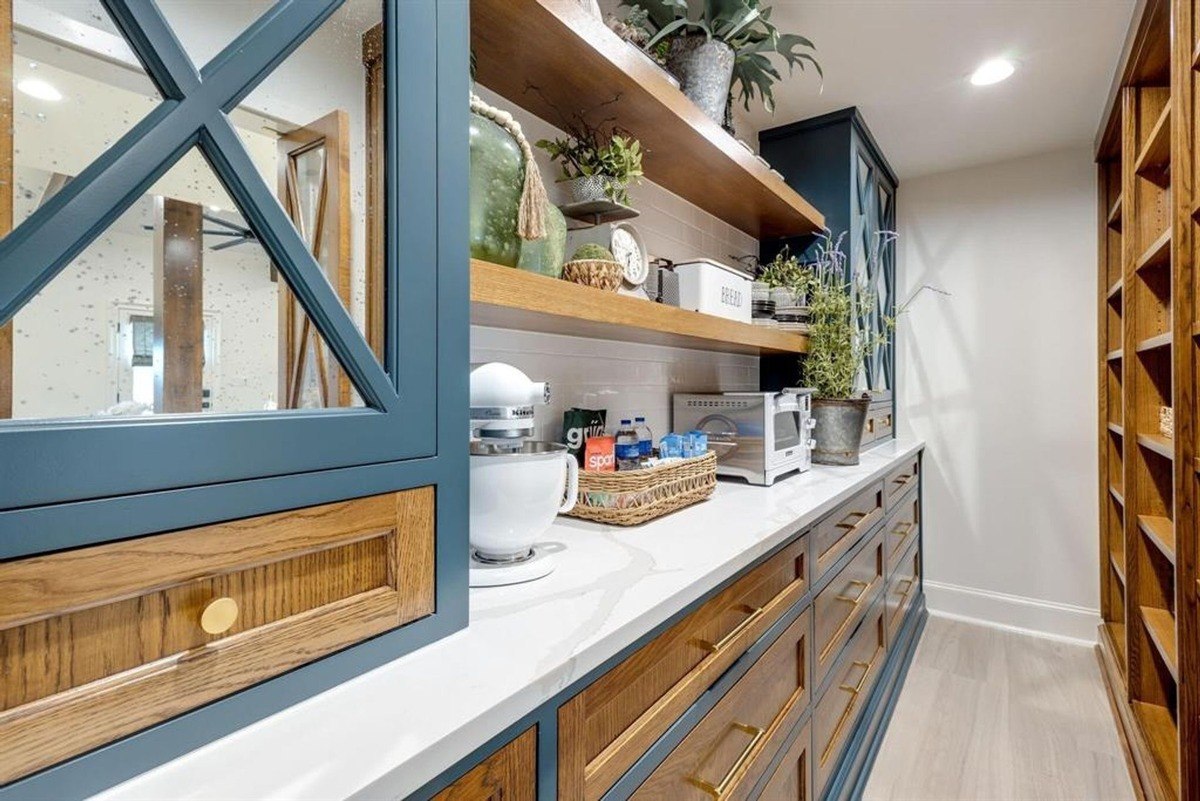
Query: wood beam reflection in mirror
[(178, 306)]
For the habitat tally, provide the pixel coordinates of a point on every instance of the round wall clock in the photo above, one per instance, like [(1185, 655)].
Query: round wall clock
[(628, 249)]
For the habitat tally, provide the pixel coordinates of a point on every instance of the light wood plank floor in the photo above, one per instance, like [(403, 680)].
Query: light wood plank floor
[(989, 715)]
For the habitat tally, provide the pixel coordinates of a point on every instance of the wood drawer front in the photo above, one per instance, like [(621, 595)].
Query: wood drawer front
[(792, 779), (728, 751), (608, 726), (510, 774), (879, 424), (844, 602), (902, 529), (902, 479), (903, 582), (99, 642), (845, 526), (835, 714)]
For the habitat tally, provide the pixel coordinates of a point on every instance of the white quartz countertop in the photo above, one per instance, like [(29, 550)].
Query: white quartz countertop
[(389, 731)]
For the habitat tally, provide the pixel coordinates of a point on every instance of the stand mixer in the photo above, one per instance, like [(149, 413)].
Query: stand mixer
[(518, 485)]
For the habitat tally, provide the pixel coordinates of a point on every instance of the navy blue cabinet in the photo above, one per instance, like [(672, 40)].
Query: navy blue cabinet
[(835, 163), (238, 284)]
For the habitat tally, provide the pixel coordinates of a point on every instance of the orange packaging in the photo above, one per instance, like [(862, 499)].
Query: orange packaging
[(600, 454)]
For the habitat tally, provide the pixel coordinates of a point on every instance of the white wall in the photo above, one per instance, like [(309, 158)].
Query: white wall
[(1000, 380)]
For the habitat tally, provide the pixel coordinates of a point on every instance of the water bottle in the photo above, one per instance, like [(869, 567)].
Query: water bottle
[(628, 454), (645, 437)]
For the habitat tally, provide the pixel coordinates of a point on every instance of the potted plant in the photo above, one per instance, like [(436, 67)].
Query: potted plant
[(596, 163), (714, 46), (787, 279)]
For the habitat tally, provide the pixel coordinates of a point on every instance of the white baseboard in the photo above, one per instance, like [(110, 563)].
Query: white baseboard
[(1013, 612)]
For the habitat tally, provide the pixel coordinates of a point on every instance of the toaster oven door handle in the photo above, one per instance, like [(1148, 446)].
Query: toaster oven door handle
[(728, 428)]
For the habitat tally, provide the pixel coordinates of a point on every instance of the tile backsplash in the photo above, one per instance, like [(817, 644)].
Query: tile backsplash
[(624, 378)]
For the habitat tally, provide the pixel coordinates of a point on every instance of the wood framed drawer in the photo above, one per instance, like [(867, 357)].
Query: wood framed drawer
[(510, 774), (99, 642), (844, 602), (845, 526), (902, 529), (792, 778), (855, 675), (903, 581), (879, 423), (609, 725), (730, 748), (902, 479)]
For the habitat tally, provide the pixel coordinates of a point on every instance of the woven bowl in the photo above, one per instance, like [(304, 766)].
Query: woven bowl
[(596, 273)]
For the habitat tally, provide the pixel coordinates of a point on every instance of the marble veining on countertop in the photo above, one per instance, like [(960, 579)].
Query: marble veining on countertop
[(387, 732)]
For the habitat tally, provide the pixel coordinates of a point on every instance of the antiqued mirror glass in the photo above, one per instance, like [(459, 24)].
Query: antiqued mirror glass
[(177, 308)]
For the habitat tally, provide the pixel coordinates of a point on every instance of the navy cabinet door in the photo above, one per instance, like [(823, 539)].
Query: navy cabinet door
[(68, 481)]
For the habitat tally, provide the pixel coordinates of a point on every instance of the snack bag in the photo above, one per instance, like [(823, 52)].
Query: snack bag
[(600, 454), (578, 425)]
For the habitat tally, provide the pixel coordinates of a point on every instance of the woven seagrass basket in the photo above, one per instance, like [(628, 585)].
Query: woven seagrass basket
[(598, 273), (637, 496)]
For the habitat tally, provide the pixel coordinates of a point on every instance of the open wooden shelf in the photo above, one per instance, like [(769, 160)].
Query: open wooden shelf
[(1114, 215), (1114, 291), (1155, 342), (1157, 443), (1117, 429), (506, 297), (1160, 532), (553, 58), (1118, 564), (1117, 493), (1162, 736), (1115, 355), (1158, 254), (1154, 162), (1160, 625)]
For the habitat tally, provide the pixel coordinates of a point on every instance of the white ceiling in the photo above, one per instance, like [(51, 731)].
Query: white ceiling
[(905, 64)]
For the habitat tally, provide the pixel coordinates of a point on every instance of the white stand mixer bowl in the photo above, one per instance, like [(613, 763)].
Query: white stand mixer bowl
[(516, 492)]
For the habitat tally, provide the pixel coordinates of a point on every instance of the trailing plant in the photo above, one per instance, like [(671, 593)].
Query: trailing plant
[(786, 271), (588, 150), (744, 25)]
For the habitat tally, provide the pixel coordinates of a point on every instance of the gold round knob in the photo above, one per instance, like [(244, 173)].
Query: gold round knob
[(219, 616)]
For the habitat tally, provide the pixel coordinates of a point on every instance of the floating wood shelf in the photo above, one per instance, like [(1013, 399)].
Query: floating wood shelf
[(1118, 565), (1157, 443), (1114, 215), (1155, 342), (1114, 291), (1117, 494), (1158, 254), (553, 58), (1117, 429), (1115, 355), (1154, 162), (505, 297), (1160, 625), (1160, 532)]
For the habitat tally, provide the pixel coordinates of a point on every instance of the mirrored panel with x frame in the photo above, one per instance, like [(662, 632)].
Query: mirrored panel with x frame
[(222, 256)]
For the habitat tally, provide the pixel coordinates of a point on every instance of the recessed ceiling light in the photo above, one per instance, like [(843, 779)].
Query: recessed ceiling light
[(993, 71), (35, 87)]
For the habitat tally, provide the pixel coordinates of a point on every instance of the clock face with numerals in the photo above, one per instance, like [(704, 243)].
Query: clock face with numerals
[(628, 249)]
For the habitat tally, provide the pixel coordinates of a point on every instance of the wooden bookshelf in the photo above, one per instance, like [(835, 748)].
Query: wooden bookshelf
[(1149, 176), (578, 64), (505, 297)]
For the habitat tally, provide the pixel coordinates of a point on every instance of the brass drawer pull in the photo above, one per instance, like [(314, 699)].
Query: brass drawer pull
[(219, 616), (855, 599), (849, 710), (904, 529), (908, 584), (904, 479), (753, 612), (719, 789), (858, 518), (855, 690)]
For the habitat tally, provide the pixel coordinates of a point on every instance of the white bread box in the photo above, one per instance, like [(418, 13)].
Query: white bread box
[(714, 288)]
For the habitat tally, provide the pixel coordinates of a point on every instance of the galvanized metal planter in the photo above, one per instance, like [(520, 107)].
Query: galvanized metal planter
[(705, 69), (590, 188), (839, 429)]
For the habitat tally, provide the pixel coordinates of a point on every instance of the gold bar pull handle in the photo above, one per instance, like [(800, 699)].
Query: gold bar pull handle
[(856, 689), (753, 614), (858, 518), (849, 710), (904, 529), (908, 583), (856, 598), (718, 790)]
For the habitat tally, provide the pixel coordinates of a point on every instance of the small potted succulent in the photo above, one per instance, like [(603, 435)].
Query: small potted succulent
[(596, 164), (714, 46), (788, 280)]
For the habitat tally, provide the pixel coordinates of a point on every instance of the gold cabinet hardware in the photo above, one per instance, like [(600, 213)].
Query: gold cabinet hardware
[(848, 711), (903, 529), (753, 612), (219, 616), (858, 518), (856, 689), (719, 789), (855, 599)]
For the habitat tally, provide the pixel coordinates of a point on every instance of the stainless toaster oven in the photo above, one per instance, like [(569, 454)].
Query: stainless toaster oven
[(758, 436)]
